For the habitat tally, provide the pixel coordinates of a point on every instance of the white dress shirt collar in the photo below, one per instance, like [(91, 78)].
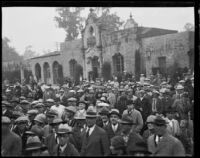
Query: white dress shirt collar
[(62, 148), (91, 129)]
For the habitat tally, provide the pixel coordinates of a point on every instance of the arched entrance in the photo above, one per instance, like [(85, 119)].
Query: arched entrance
[(47, 74), (95, 67), (57, 73), (38, 71), (72, 67)]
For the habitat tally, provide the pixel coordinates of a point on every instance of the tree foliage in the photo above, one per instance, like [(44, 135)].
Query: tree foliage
[(189, 27), (70, 20), (29, 53), (108, 21), (9, 53)]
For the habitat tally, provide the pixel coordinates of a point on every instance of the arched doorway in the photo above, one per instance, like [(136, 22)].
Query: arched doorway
[(95, 67), (137, 65), (47, 74), (38, 72), (118, 63), (72, 67), (57, 73)]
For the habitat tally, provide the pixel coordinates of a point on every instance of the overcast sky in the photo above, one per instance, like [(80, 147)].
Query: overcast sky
[(36, 26)]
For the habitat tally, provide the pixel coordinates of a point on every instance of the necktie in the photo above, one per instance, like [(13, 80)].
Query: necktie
[(114, 128), (88, 131)]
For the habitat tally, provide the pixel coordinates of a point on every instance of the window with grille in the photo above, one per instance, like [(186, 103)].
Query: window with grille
[(118, 63)]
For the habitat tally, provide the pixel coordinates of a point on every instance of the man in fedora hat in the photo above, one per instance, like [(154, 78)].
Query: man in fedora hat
[(150, 131), (114, 128), (79, 126), (118, 146), (95, 140), (34, 147), (104, 116), (163, 143), (51, 140), (20, 129), (68, 115), (11, 143), (64, 147)]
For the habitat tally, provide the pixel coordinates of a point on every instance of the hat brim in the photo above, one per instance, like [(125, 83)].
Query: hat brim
[(79, 118), (125, 122), (91, 116)]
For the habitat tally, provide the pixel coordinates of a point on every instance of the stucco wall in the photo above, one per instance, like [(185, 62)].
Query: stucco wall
[(71, 50), (174, 47)]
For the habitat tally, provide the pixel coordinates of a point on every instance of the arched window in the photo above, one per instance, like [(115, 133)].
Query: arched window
[(118, 63), (55, 72), (38, 71), (72, 66), (47, 73)]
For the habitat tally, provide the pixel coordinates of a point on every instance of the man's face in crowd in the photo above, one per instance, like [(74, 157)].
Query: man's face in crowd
[(31, 117), (159, 130), (63, 139), (130, 107), (114, 118), (141, 94), (104, 118), (50, 119), (180, 91), (22, 125), (150, 127), (90, 121)]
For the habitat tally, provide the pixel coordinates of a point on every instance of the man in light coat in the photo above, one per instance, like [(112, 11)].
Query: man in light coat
[(162, 143)]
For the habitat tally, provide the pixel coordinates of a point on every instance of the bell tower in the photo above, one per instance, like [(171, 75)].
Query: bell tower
[(91, 46)]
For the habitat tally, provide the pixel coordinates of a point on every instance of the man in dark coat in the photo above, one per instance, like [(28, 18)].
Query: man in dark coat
[(64, 147), (157, 106), (11, 143), (51, 140), (143, 105), (6, 109), (165, 144), (95, 140), (114, 128), (20, 129)]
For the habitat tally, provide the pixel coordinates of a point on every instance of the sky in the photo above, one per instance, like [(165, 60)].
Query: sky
[(35, 26)]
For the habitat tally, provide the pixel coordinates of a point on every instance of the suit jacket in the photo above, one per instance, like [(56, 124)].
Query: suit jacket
[(50, 142), (167, 103), (110, 131), (145, 105), (97, 144), (70, 150), (11, 144), (168, 146)]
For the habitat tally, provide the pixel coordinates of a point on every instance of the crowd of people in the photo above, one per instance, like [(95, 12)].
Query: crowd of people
[(151, 117)]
